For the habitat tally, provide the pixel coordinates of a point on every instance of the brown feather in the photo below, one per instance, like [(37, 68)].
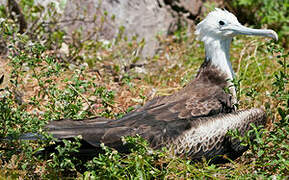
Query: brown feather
[(175, 121)]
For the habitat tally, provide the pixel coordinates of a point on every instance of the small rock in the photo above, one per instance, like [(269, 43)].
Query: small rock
[(64, 49)]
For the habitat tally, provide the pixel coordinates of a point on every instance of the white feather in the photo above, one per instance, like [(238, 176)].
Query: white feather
[(217, 42)]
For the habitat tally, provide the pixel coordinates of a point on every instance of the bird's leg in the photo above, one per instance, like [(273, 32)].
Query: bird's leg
[(234, 100)]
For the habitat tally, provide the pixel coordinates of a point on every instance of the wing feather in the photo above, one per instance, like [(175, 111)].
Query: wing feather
[(208, 135)]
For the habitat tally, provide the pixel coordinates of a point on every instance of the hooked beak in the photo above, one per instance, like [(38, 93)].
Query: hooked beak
[(240, 29)]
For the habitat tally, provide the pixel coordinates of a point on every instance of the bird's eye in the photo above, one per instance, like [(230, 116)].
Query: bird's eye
[(221, 23)]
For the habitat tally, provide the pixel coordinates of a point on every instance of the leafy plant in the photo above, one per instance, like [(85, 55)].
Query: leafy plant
[(113, 165), (270, 147)]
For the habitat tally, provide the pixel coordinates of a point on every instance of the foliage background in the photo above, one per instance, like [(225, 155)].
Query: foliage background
[(42, 84)]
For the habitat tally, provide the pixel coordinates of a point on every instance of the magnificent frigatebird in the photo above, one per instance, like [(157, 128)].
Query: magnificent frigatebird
[(194, 121)]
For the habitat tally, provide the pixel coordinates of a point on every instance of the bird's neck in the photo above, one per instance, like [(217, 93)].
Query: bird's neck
[(218, 51)]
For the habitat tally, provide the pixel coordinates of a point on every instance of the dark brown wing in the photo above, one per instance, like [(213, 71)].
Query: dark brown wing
[(201, 137), (161, 120), (204, 96)]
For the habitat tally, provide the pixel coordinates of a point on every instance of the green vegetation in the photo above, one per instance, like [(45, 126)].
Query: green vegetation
[(274, 14), (39, 86)]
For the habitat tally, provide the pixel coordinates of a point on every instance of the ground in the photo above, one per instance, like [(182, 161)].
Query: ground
[(47, 88)]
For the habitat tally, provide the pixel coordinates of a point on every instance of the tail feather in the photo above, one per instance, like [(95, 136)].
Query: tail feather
[(31, 136), (25, 137), (91, 130)]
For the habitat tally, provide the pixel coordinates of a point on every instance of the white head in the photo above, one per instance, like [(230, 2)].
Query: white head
[(217, 31), (221, 24)]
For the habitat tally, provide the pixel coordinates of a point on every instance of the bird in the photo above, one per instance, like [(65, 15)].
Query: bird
[(192, 122)]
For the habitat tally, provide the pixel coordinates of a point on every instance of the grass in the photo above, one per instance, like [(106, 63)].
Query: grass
[(39, 87)]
